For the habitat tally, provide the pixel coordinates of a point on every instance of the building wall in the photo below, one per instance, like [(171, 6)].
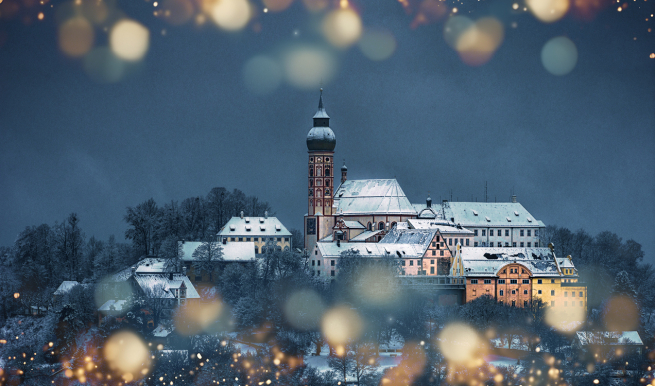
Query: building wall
[(284, 242), (519, 294), (476, 287), (320, 182), (438, 257), (555, 292), (509, 236)]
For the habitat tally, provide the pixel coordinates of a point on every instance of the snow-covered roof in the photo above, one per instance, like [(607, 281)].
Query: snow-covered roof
[(254, 226), (489, 214), (564, 262), (332, 250), (233, 251), (484, 261), (353, 225), (65, 286), (160, 286), (364, 235), (409, 236), (442, 225), (126, 273), (163, 331), (371, 197), (609, 338), (113, 305), (152, 267)]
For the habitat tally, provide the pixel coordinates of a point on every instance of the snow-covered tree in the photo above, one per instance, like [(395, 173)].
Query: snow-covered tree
[(206, 257)]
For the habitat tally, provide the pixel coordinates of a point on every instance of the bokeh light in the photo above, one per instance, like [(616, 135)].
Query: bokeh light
[(559, 55), (97, 12), (342, 27), (127, 355), (459, 343), (277, 5), (377, 286), (548, 11), (129, 40), (477, 44), (315, 5), (454, 27), (230, 15), (307, 67), (303, 309), (377, 44), (429, 11), (621, 314), (196, 317), (340, 325), (177, 12), (76, 37), (100, 69), (262, 74), (565, 319)]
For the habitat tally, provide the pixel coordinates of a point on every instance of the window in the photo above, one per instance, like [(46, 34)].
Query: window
[(536, 232), (513, 292), (514, 244), (475, 243), (513, 281), (552, 292), (525, 303), (313, 263), (450, 241), (441, 253), (247, 238), (539, 292), (316, 252), (256, 249), (521, 244), (403, 263), (552, 303), (525, 292), (380, 226), (580, 293), (536, 243), (529, 232), (529, 244), (565, 304), (572, 294), (506, 232), (580, 304), (566, 294), (491, 232), (434, 253), (286, 239), (411, 262), (521, 232), (491, 244), (467, 242), (552, 280), (331, 272), (501, 293), (431, 269), (327, 174), (318, 262), (232, 239), (332, 262), (487, 281), (513, 303), (434, 244), (526, 281), (501, 281), (483, 232), (538, 281), (240, 238), (475, 232), (369, 226), (318, 273), (474, 281)]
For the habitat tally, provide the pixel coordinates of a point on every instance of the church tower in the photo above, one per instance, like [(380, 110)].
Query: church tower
[(320, 182)]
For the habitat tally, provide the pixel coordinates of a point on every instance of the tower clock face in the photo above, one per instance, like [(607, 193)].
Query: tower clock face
[(319, 159), (311, 226)]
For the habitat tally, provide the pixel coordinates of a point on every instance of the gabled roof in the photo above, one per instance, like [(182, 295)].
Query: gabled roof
[(254, 226), (65, 286), (489, 214), (609, 338), (233, 251), (160, 286), (375, 250), (371, 197), (126, 273), (420, 237), (352, 225), (484, 261)]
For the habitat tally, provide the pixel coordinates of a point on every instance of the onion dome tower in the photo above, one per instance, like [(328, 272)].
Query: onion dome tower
[(320, 147)]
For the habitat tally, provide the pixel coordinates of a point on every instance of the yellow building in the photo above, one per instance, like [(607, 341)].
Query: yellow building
[(562, 290), (258, 230)]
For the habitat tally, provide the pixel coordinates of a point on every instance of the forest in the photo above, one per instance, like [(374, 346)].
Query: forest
[(270, 321)]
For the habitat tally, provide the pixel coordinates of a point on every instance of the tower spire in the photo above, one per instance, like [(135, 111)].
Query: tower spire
[(320, 100)]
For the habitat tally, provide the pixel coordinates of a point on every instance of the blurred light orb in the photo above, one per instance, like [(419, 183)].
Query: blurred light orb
[(559, 55), (76, 37), (196, 317), (230, 15), (16, 295), (565, 319), (548, 11), (377, 44), (342, 27), (277, 5), (303, 309), (127, 354), (95, 11), (377, 286), (129, 40), (477, 44), (459, 343), (307, 67), (104, 67), (178, 12), (621, 314), (315, 5), (341, 324), (454, 27), (262, 74)]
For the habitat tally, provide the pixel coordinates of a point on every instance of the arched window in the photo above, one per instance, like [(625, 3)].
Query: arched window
[(381, 226), (311, 182), (311, 192), (393, 224), (369, 226), (327, 182), (327, 172), (327, 192), (311, 172), (318, 172)]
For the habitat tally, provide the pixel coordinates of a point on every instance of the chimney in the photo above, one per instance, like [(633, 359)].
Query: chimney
[(170, 276), (241, 214), (514, 198), (184, 270), (428, 202), (265, 214), (338, 242)]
